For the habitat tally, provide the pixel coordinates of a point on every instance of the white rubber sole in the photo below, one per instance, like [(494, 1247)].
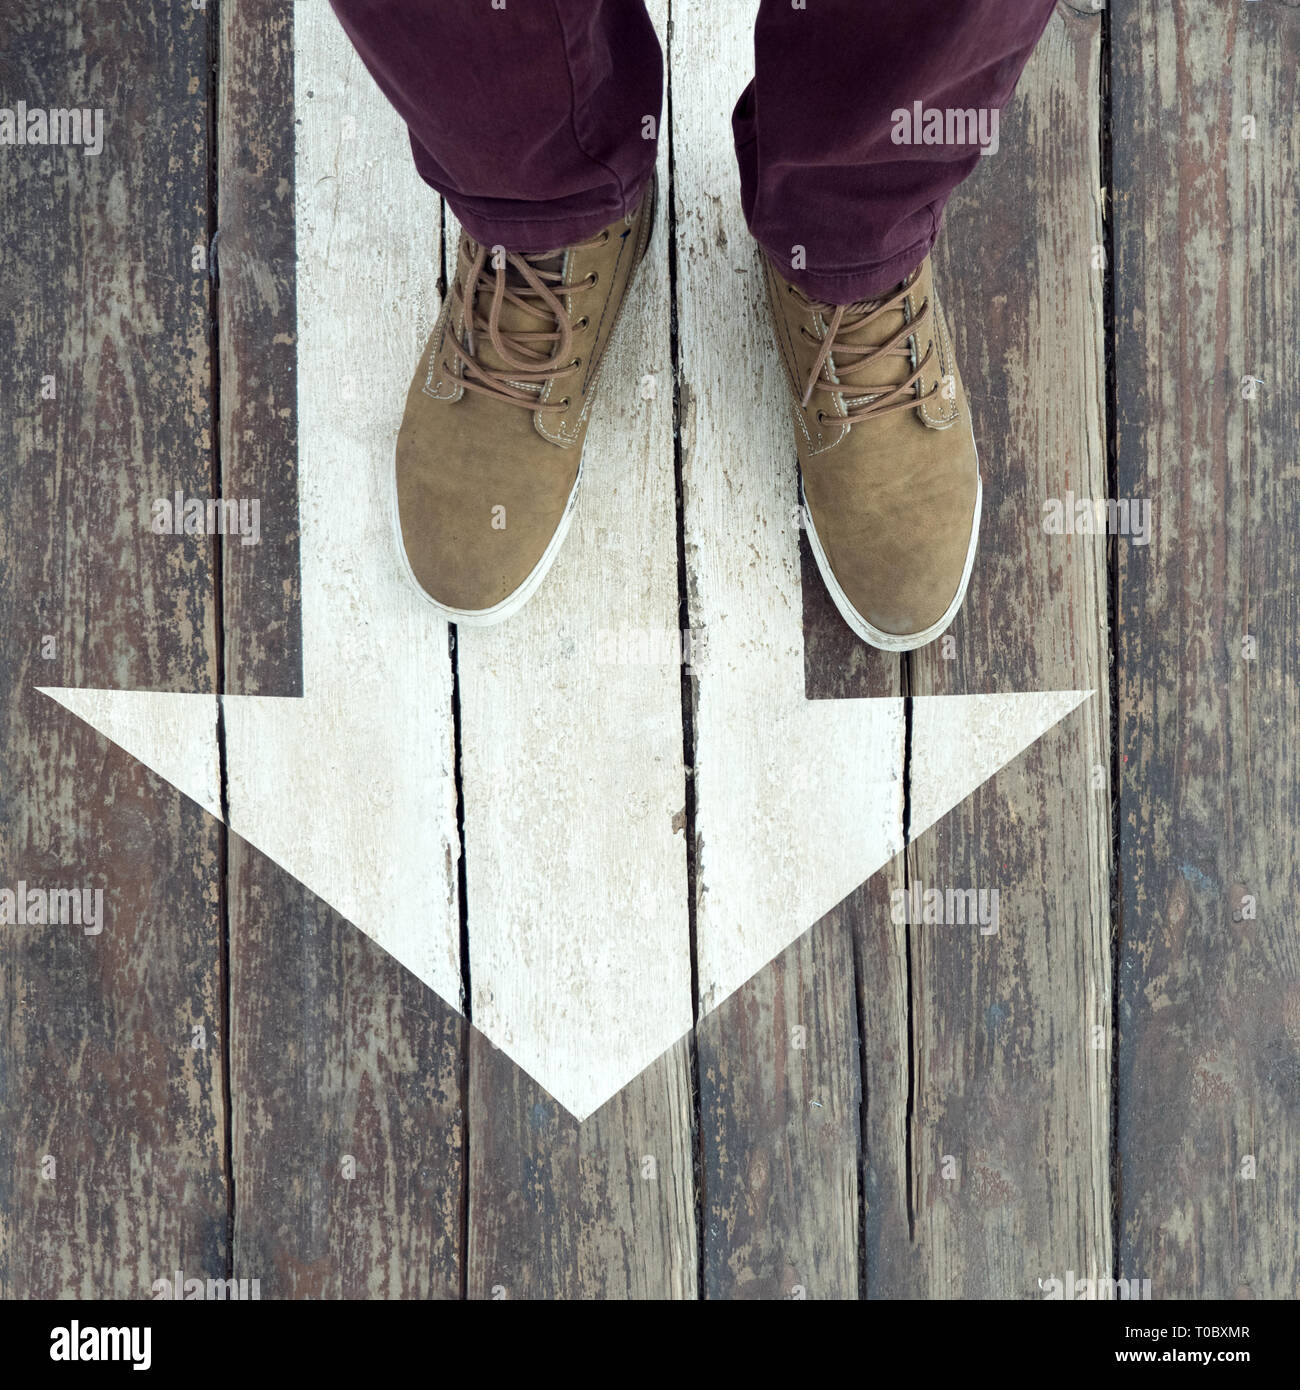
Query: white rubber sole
[(513, 602), (873, 636)]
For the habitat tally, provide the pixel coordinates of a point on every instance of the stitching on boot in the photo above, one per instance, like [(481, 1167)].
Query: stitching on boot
[(455, 390), (539, 420), (946, 362)]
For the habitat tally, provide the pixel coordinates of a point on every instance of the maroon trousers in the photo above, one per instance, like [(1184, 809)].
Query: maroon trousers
[(537, 119)]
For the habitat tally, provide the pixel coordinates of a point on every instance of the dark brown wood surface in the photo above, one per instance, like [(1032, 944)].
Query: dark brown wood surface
[(112, 1114), (598, 1210), (347, 1073), (256, 273), (1207, 292), (1010, 1128)]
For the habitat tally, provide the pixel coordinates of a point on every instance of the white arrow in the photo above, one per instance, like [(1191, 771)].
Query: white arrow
[(798, 801), (582, 977)]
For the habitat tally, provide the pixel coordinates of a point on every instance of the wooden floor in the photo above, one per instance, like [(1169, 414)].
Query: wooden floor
[(233, 1079)]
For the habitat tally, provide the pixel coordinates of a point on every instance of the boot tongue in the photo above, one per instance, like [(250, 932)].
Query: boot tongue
[(513, 318), (861, 378)]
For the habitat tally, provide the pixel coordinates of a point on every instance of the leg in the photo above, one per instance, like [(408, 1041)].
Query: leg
[(863, 117), (828, 157), (536, 120)]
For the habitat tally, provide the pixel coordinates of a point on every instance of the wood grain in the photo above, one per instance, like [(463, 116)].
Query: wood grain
[(110, 1045), (797, 1145), (256, 269), (604, 1209), (347, 1071), (859, 940), (1009, 1132), (778, 1060), (1208, 293), (595, 940), (781, 1110)]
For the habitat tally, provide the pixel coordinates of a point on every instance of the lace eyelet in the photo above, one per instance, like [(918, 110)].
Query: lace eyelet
[(564, 402), (575, 364), (593, 279), (582, 323), (821, 417), (604, 237)]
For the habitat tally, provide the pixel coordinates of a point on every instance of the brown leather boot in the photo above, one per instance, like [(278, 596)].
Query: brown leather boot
[(490, 451), (890, 480)]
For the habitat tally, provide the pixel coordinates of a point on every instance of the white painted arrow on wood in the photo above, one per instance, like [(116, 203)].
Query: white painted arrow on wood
[(574, 785)]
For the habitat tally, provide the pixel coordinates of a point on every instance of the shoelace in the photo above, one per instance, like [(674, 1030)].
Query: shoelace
[(851, 358), (536, 290)]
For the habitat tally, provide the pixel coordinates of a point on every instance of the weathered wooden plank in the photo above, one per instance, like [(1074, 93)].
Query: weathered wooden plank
[(572, 755), (765, 1085), (1009, 1131), (889, 1256), (838, 665), (256, 268), (602, 1209), (1206, 144), (346, 1069), (778, 1071), (348, 1136), (112, 1152), (780, 1117), (572, 726)]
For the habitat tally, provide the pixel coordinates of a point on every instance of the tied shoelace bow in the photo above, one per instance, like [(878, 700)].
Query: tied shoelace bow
[(533, 357), (851, 358)]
